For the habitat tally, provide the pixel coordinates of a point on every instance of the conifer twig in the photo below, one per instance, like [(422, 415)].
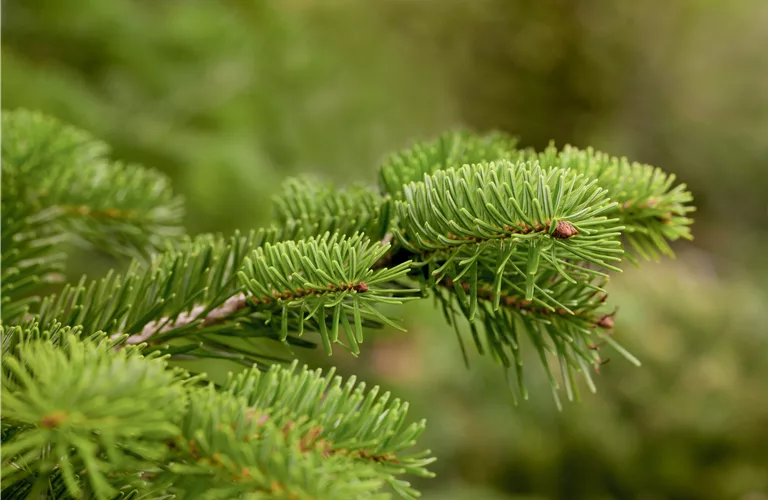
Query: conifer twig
[(217, 315)]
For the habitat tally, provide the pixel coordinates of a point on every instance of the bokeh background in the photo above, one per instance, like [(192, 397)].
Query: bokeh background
[(230, 97)]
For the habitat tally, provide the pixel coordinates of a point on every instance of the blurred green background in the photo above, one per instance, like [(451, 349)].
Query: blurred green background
[(229, 97)]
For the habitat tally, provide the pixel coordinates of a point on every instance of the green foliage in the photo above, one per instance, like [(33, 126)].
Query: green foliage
[(572, 333), (451, 149), (225, 452), (29, 240), (119, 208), (170, 302), (318, 437), (326, 279), (499, 214), (649, 205), (652, 209), (175, 85), (89, 419), (82, 406), (349, 421), (98, 406), (314, 208)]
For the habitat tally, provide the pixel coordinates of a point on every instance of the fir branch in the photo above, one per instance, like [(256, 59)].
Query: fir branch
[(308, 207), (490, 216), (451, 149), (227, 453), (517, 248), (86, 410), (346, 418), (217, 315), (321, 280), (275, 434), (323, 427), (572, 334), (652, 208), (118, 208), (183, 302), (29, 250), (204, 298)]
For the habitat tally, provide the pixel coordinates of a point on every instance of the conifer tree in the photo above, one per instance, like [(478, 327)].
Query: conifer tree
[(515, 247)]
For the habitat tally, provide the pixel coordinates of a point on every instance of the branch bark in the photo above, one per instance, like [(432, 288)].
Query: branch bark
[(214, 316)]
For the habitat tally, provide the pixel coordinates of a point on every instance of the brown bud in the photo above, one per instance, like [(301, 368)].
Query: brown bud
[(276, 487), (605, 321), (288, 427), (55, 419), (361, 287), (564, 230), (600, 363)]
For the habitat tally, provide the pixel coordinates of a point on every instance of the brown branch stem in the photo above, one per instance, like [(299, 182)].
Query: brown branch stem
[(483, 293), (312, 440), (230, 306), (214, 316), (107, 213)]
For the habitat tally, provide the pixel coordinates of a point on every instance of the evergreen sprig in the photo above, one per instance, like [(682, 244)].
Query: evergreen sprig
[(30, 243), (331, 429), (224, 451), (323, 280), (347, 420), (517, 250), (516, 244), (308, 207), (123, 209), (505, 322), (84, 406), (187, 300), (507, 217), (653, 210), (87, 417), (451, 149), (206, 296)]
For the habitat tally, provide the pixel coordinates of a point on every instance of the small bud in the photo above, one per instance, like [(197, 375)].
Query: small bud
[(54, 419), (605, 321), (361, 287), (564, 230)]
